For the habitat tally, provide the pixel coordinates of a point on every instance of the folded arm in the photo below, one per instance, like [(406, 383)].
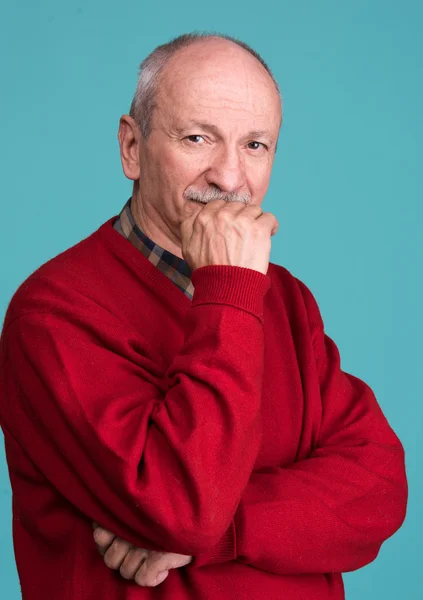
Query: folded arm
[(87, 405), (331, 511)]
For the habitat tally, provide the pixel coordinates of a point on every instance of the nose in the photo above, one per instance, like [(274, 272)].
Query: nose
[(227, 171)]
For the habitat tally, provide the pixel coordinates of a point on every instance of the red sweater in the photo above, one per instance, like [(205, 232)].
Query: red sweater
[(222, 428)]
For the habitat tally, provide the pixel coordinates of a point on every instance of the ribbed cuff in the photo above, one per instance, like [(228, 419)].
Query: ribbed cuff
[(223, 551), (234, 286)]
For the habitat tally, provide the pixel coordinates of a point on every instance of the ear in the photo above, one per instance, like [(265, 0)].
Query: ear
[(129, 140)]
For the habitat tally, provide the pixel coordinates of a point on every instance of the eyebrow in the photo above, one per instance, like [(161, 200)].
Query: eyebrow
[(213, 129)]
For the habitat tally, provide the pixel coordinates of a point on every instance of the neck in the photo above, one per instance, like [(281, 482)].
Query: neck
[(149, 221)]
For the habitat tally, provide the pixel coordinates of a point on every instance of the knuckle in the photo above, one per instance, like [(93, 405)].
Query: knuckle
[(116, 553), (127, 571), (201, 219), (245, 221), (147, 573), (102, 537), (132, 563), (223, 216), (257, 227), (217, 203), (140, 577), (111, 560)]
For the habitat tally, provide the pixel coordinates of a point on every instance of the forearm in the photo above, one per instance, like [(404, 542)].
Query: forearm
[(320, 516), (331, 510), (327, 513), (150, 466)]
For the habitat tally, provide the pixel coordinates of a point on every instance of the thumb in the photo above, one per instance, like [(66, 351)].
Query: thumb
[(190, 213), (186, 233)]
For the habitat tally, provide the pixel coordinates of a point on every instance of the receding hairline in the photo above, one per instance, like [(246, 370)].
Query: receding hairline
[(153, 69), (178, 54)]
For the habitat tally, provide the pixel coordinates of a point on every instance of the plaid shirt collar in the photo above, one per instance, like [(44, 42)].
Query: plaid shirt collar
[(170, 265)]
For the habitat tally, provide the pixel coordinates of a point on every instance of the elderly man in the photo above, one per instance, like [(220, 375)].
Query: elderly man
[(166, 384)]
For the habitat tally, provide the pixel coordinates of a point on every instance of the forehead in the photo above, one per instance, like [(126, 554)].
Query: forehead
[(226, 85)]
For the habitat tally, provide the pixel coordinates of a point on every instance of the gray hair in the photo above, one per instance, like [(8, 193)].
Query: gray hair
[(144, 101)]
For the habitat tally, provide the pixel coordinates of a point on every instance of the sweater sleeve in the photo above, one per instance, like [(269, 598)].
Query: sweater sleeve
[(331, 511), (163, 466)]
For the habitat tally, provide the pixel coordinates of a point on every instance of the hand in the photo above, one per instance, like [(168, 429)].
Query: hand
[(146, 567), (228, 233)]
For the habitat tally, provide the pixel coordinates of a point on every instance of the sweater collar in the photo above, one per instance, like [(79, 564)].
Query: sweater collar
[(174, 267)]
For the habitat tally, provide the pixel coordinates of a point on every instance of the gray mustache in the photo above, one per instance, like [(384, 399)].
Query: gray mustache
[(206, 196)]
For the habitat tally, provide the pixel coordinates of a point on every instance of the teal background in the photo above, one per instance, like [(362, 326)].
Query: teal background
[(346, 187)]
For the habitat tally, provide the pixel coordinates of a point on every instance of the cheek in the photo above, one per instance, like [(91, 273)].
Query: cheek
[(258, 180), (181, 170)]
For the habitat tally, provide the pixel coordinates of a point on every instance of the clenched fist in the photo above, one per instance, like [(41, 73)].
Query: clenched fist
[(228, 233)]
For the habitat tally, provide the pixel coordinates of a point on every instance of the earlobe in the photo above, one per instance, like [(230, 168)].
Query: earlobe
[(129, 139)]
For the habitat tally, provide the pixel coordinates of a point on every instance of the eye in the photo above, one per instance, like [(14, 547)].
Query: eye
[(255, 145), (196, 139)]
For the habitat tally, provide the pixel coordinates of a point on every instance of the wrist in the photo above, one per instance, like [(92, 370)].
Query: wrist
[(223, 551)]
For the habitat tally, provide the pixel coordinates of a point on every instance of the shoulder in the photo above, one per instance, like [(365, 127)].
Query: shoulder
[(67, 283), (296, 295)]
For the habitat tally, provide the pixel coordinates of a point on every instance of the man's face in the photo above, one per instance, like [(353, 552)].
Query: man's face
[(214, 129)]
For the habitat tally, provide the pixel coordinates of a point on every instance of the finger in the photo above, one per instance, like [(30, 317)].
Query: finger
[(220, 210), (270, 221), (116, 554), (144, 578), (189, 218), (187, 224), (211, 208), (132, 562), (192, 209), (156, 563), (103, 538), (157, 581), (233, 206), (161, 577), (191, 222), (253, 210)]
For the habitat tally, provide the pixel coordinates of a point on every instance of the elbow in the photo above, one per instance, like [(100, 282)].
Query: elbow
[(363, 555), (380, 524), (371, 537), (390, 508), (394, 514), (377, 517), (386, 514), (383, 510), (379, 529)]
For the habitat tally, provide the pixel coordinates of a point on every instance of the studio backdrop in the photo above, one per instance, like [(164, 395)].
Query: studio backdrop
[(346, 184)]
